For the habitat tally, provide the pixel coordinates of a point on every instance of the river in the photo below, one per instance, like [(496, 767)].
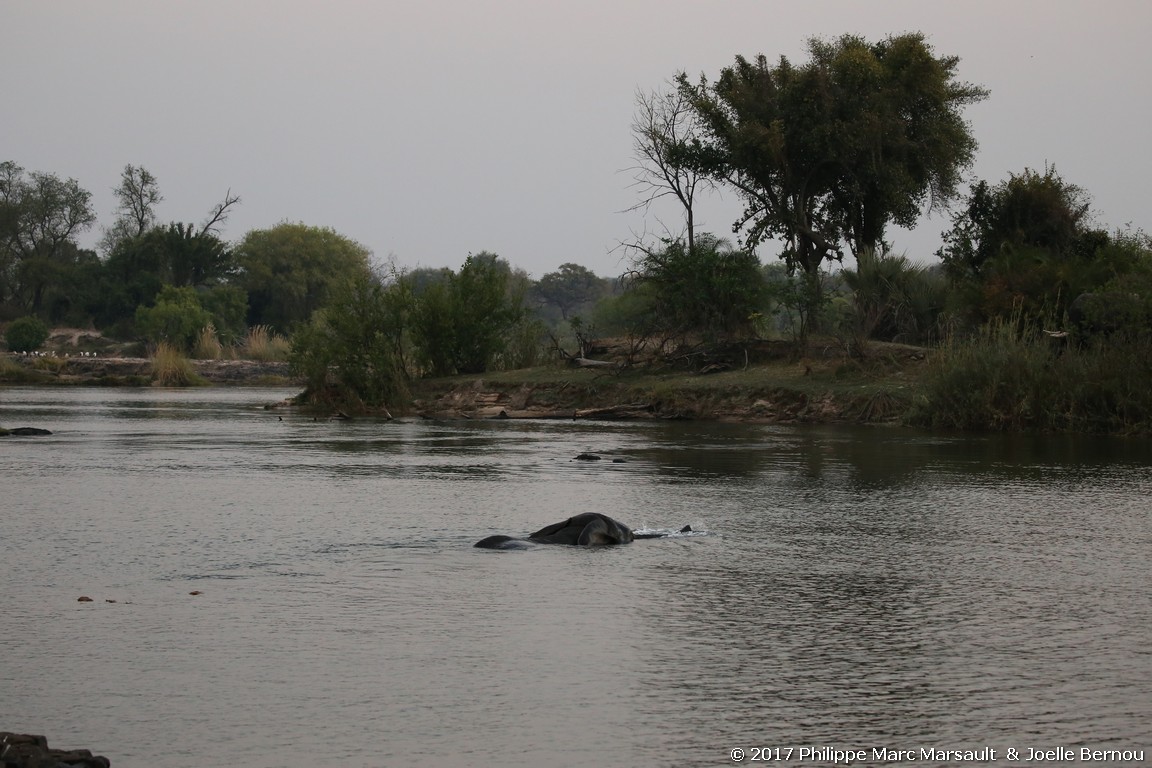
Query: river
[(843, 588)]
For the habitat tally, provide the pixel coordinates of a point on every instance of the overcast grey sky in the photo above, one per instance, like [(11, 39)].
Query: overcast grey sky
[(427, 130)]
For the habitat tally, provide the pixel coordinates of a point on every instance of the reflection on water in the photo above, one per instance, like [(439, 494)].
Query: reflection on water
[(852, 588)]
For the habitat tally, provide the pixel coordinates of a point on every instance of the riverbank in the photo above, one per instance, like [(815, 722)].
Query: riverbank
[(136, 371), (878, 387)]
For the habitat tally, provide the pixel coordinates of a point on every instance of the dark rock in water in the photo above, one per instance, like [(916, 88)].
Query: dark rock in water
[(25, 431), (22, 750), (587, 457)]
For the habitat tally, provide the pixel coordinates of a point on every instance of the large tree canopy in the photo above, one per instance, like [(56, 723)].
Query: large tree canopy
[(289, 271), (40, 216), (570, 288), (1028, 245), (832, 151)]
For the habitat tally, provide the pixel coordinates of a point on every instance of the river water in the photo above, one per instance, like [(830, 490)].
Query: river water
[(843, 588)]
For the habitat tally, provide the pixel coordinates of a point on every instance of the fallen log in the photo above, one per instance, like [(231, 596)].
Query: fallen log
[(630, 411), (584, 362)]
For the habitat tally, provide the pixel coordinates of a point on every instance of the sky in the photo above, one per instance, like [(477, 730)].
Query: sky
[(430, 129)]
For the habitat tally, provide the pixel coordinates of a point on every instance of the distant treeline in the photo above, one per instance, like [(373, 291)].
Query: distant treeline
[(824, 154)]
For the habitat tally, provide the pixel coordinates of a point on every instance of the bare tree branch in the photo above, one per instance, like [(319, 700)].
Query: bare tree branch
[(664, 123), (219, 213)]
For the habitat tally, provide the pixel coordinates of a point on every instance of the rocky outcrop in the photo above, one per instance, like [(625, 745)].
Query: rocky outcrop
[(22, 750)]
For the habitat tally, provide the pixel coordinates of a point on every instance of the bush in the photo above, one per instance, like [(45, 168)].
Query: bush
[(263, 343), (170, 368), (709, 289), (348, 353), (464, 322), (177, 318), (207, 346), (26, 334), (1007, 379)]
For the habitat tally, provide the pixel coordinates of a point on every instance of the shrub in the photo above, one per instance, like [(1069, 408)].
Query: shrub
[(463, 322), (207, 346), (262, 343), (26, 334), (348, 353), (170, 368), (1008, 379), (177, 318)]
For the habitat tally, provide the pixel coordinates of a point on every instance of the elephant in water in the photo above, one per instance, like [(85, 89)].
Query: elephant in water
[(587, 529)]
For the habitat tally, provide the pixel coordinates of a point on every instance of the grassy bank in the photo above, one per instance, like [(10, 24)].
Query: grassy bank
[(820, 388), (1005, 380), (1002, 380)]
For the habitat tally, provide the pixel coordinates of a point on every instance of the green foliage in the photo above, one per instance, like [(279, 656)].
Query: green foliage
[(26, 334), (1025, 246), (174, 255), (434, 328), (628, 314), (801, 144), (228, 306), (523, 345), (570, 289), (40, 215), (177, 318), (788, 303), (352, 344), (290, 270), (1012, 379), (894, 299), (462, 322), (710, 289)]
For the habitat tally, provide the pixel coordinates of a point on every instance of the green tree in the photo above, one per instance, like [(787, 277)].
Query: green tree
[(830, 152), (290, 270), (177, 317), (711, 290), (462, 323), (354, 344), (177, 254), (894, 299), (26, 334), (569, 288), (40, 216), (434, 326), (1027, 244), (228, 306)]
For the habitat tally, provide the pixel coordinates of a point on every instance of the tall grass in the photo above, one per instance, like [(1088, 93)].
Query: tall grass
[(207, 345), (265, 344), (171, 368), (14, 372), (1013, 379)]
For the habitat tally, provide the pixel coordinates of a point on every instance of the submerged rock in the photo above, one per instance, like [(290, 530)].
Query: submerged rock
[(24, 431)]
